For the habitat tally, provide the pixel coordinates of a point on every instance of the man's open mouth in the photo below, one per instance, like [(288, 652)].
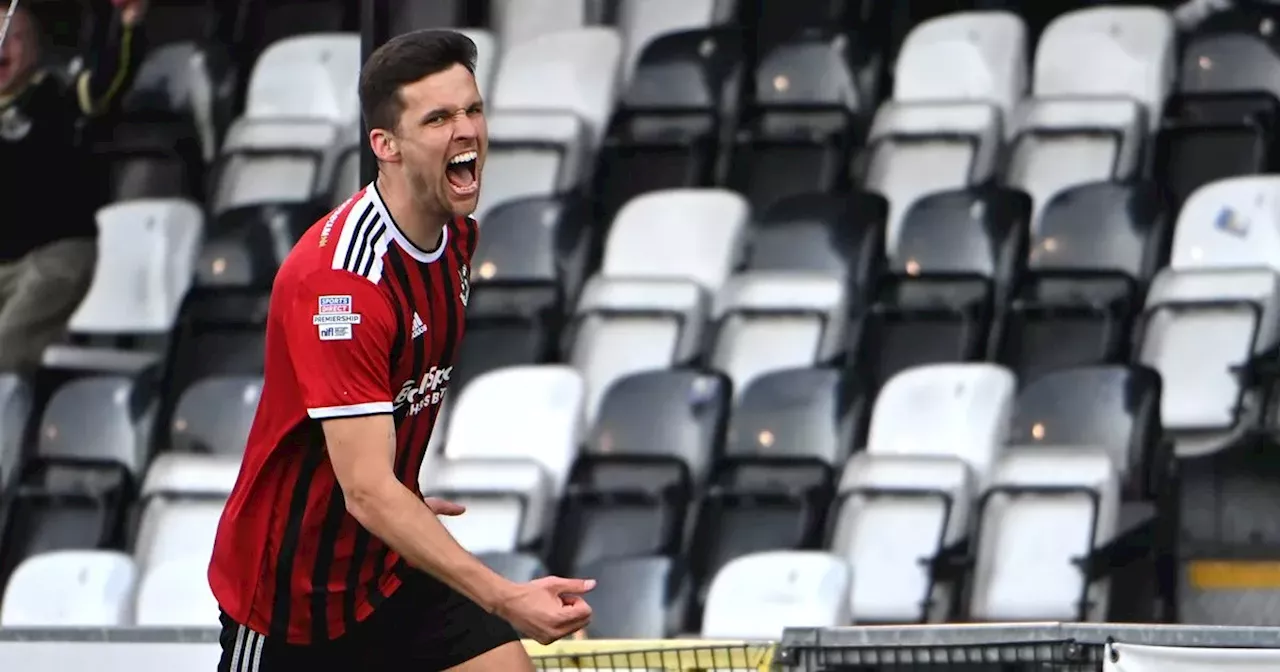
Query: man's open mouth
[(461, 172)]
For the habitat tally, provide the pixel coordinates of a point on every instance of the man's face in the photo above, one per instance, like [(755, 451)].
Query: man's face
[(443, 139), (20, 52)]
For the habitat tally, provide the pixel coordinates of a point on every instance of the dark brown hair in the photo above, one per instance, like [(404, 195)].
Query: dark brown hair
[(405, 59)]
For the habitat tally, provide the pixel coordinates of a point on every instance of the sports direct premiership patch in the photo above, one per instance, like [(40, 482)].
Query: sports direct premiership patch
[(335, 304)]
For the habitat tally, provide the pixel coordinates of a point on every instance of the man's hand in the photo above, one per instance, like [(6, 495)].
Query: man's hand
[(131, 11), (549, 608), (442, 507)]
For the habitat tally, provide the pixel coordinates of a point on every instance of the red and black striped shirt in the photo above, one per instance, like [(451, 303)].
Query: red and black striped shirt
[(361, 322)]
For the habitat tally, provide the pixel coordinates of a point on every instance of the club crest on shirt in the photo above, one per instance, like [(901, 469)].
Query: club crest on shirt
[(464, 281), (14, 125)]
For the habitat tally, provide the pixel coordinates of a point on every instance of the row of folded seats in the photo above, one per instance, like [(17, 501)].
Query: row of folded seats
[(993, 509), (801, 129)]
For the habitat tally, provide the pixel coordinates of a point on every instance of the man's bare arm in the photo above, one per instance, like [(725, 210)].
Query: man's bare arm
[(362, 451)]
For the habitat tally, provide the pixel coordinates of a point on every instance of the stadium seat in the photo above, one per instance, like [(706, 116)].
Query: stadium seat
[(521, 21), (146, 260), (213, 415), (509, 474), (1115, 407), (238, 256), (550, 108), (641, 22), (306, 77), (802, 420), (180, 503), (964, 56), (1101, 78), (903, 504), (625, 326), (757, 596), (812, 96), (1209, 326), (774, 24), (666, 131), (219, 332), (1096, 249), (693, 235), (518, 567), (837, 235), (632, 597), (487, 57), (15, 411), (1042, 517), (529, 264), (70, 589), (956, 256), (648, 454), (917, 149), (347, 179), (408, 16), (266, 161), (169, 125), (771, 321), (176, 594), (1222, 122)]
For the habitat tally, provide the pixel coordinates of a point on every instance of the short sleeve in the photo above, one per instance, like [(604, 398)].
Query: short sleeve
[(339, 329)]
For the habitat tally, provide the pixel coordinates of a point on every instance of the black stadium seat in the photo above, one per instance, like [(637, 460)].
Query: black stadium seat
[(630, 491), (809, 108), (958, 253), (666, 131), (632, 597), (531, 256), (1223, 122), (841, 235), (1116, 407), (1097, 248)]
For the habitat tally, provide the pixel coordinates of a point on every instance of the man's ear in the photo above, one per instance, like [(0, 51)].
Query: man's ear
[(384, 145)]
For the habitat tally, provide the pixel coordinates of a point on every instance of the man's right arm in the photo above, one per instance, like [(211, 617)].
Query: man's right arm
[(340, 328), (362, 450)]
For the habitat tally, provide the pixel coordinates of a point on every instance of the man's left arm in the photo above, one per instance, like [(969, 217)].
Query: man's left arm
[(113, 64)]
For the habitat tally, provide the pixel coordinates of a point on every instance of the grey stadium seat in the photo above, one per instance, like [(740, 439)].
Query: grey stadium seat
[(632, 598), (214, 415), (15, 410)]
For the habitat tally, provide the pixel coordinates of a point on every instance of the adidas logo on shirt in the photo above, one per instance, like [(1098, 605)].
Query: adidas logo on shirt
[(419, 327)]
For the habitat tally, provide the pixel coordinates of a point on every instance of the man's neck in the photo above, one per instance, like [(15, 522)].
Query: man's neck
[(422, 226)]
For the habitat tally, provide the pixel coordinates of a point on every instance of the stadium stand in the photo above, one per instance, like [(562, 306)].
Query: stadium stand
[(801, 314)]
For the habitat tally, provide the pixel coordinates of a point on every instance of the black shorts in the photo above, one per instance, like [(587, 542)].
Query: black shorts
[(424, 626)]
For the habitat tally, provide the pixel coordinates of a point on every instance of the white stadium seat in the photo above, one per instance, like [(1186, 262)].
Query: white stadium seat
[(15, 409), (506, 500), (147, 253), (549, 110), (769, 321), (277, 161), (174, 474), (536, 442), (894, 513), (94, 419), (1029, 542), (214, 414), (176, 594), (176, 528), (908, 494), (969, 407), (684, 234), (307, 77), (70, 589), (624, 326), (487, 56), (976, 57), (1215, 308), (923, 148), (520, 21), (1109, 52), (758, 595)]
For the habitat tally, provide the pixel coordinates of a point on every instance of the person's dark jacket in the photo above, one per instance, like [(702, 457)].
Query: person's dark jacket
[(50, 184)]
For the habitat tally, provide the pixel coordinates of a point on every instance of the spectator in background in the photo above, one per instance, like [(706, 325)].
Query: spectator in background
[(50, 185)]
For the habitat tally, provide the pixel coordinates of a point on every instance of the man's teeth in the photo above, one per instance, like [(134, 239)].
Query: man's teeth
[(464, 158)]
